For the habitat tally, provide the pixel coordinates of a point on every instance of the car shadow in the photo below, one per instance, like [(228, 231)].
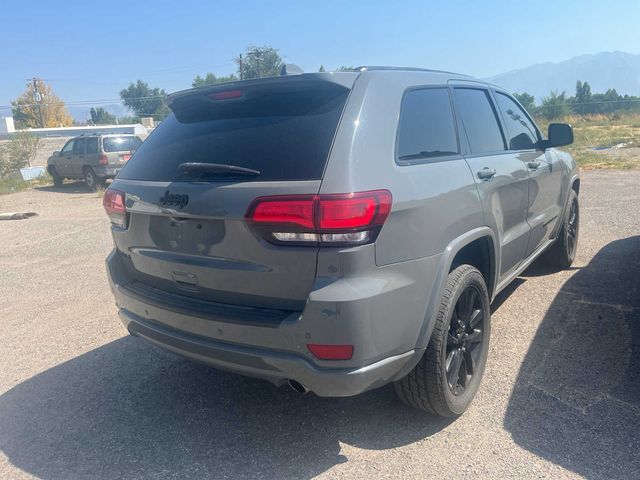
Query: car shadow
[(576, 401), (73, 187), (127, 409)]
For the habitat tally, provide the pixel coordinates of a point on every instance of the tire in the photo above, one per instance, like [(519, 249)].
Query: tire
[(431, 386), (91, 179), (57, 179), (562, 252)]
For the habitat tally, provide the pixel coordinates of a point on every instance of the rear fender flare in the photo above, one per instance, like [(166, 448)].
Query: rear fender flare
[(442, 273)]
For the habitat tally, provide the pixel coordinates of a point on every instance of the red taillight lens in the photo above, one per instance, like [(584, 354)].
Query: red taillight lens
[(342, 219), (353, 211), (113, 202), (331, 352), (103, 159), (285, 210)]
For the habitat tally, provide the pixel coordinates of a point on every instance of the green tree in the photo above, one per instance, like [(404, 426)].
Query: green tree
[(344, 68), (555, 105), (258, 62), (583, 99), (211, 79), (527, 101), (321, 69), (99, 116), (144, 100), (128, 120)]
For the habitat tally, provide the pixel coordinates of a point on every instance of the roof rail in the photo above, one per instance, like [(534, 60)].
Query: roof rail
[(364, 68)]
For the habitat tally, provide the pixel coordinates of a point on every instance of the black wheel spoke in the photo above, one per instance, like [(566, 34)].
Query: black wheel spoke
[(451, 339), (474, 337), (469, 363), (471, 300), (474, 350), (454, 362), (476, 318)]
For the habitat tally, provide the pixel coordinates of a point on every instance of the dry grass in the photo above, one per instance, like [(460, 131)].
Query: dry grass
[(14, 183), (602, 131)]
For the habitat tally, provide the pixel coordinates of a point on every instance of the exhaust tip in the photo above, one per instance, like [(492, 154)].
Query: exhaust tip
[(298, 387)]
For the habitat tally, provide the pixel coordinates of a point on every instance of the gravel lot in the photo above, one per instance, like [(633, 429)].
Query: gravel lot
[(81, 399)]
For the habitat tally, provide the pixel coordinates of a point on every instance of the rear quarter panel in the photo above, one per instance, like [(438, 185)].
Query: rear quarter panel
[(387, 288), (433, 203)]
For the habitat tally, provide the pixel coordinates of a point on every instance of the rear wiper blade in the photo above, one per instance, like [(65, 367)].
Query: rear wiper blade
[(216, 168)]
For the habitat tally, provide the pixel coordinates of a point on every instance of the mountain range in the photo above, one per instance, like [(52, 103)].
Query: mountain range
[(619, 70)]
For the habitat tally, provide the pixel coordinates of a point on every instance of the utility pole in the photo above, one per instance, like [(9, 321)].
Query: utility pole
[(37, 97), (240, 63)]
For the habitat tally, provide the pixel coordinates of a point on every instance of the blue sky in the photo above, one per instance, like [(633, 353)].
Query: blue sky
[(91, 50)]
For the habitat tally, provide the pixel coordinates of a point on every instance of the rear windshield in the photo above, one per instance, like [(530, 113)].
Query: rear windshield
[(120, 144), (285, 134)]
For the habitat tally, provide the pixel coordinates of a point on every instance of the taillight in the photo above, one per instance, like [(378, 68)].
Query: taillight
[(103, 159), (113, 202), (341, 219)]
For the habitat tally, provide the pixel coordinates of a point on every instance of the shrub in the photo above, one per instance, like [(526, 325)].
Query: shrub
[(18, 152)]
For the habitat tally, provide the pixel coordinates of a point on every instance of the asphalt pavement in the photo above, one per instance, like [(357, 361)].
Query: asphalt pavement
[(81, 399)]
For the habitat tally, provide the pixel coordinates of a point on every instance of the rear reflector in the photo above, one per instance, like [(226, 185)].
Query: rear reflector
[(342, 219), (331, 352), (114, 204)]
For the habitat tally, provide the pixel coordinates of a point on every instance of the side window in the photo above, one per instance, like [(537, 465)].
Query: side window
[(92, 145), (427, 127), (78, 147), (521, 133), (480, 122), (68, 147)]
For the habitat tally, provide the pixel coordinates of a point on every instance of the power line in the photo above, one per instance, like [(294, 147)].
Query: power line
[(84, 102)]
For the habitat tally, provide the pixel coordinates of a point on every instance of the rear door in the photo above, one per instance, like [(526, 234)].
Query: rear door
[(187, 231), (91, 151), (501, 176), (78, 160), (545, 170)]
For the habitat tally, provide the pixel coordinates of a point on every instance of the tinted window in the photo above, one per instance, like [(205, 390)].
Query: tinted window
[(68, 147), (78, 147), (479, 119), (521, 133), (285, 133), (121, 144), (427, 128), (92, 145)]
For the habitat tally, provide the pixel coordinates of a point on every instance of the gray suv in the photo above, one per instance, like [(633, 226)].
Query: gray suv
[(339, 231), (93, 158)]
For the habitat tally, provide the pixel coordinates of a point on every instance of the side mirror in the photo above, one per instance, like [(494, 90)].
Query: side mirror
[(559, 134), (56, 153)]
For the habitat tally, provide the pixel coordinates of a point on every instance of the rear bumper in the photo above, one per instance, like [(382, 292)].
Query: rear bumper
[(276, 367), (381, 314), (106, 171)]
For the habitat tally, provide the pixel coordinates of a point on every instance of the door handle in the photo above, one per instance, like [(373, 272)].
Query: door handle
[(533, 165), (486, 173)]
